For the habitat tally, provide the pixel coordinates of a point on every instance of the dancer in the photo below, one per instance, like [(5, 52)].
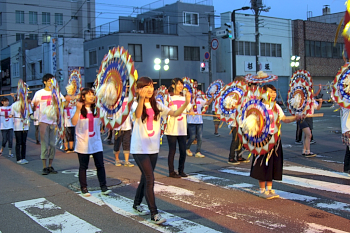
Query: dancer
[(261, 171), (176, 129), (69, 111), (145, 140), (6, 125), (88, 140)]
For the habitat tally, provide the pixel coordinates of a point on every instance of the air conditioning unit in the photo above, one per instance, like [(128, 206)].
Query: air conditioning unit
[(133, 31)]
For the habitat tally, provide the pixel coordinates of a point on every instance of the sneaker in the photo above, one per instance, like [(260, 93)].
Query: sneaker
[(85, 192), (25, 161), (189, 153), (174, 175), (11, 156), (298, 142), (233, 162), (309, 155), (157, 219), (45, 171), (273, 194), (140, 210), (217, 134), (128, 164), (312, 142), (243, 160), (182, 174), (266, 195), (194, 142), (20, 161), (69, 151), (199, 155), (105, 190), (65, 150), (52, 170), (118, 163)]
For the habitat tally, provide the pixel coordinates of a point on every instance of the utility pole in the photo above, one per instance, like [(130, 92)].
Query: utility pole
[(209, 50), (257, 7)]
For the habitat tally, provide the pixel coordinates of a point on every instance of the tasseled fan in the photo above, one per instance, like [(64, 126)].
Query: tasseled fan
[(347, 83), (70, 89), (250, 125), (50, 112), (108, 94), (295, 101), (261, 74), (230, 102)]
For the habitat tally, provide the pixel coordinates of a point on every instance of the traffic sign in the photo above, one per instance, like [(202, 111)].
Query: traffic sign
[(207, 55), (214, 44), (221, 32)]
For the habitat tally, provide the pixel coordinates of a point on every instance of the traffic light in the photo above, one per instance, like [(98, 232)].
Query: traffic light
[(204, 67), (238, 30), (60, 76), (229, 31)]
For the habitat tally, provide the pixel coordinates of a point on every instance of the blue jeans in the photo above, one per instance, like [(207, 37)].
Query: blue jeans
[(84, 165), (7, 136), (193, 131)]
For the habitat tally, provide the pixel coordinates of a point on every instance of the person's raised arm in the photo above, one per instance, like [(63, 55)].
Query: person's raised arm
[(179, 111), (320, 101), (76, 114)]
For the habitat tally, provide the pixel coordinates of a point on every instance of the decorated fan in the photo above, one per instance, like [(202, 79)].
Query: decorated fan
[(163, 96), (201, 94), (341, 87), (256, 118), (299, 98), (116, 70), (74, 85), (261, 77), (21, 105), (301, 75), (229, 98), (214, 88), (188, 85)]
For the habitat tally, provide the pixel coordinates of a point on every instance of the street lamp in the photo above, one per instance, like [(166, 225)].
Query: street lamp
[(233, 19), (157, 66), (294, 62)]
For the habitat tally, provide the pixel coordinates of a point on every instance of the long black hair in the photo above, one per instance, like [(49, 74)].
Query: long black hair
[(142, 82), (174, 82), (83, 111)]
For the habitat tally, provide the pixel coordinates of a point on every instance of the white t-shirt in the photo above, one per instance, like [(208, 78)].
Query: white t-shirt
[(345, 120), (68, 114), (145, 138), (272, 120), (127, 125), (36, 116), (18, 122), (44, 98), (177, 126), (5, 121), (87, 134), (197, 119)]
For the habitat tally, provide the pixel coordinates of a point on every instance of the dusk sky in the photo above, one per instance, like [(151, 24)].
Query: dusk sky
[(109, 10)]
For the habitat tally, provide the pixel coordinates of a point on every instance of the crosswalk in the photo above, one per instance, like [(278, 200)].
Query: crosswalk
[(304, 185)]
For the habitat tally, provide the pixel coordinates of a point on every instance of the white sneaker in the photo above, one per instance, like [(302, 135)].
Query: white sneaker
[(189, 153), (140, 210), (158, 219), (11, 156), (25, 161), (199, 155), (20, 161), (128, 164), (273, 194)]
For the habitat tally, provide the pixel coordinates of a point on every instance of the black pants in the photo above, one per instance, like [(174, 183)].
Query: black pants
[(146, 163), (235, 143), (84, 164), (21, 144), (347, 160), (299, 134), (172, 149)]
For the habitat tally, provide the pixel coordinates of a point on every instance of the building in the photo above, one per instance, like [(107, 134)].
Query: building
[(176, 31)]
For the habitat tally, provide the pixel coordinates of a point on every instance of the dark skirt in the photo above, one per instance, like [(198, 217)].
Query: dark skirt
[(274, 168), (307, 122)]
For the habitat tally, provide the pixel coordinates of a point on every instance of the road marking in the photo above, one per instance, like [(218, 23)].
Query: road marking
[(89, 172), (317, 172), (123, 206), (53, 218), (313, 227)]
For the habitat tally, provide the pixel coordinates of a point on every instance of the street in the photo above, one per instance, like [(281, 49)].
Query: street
[(216, 197)]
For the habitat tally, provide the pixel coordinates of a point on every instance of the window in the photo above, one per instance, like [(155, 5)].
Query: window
[(245, 48), (15, 69), (19, 16), (92, 57), (33, 17), (262, 49), (33, 36), (270, 50), (46, 18), (135, 50), (59, 18), (0, 18), (32, 70), (279, 50), (191, 53), (60, 36), (19, 36), (317, 48), (191, 18), (74, 17), (169, 52), (41, 67)]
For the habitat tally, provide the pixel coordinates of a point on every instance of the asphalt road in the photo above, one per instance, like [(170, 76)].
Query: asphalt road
[(216, 197)]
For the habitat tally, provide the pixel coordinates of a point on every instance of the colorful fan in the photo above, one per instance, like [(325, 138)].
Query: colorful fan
[(21, 105), (74, 85), (214, 88), (261, 77), (163, 96), (229, 98), (341, 87), (256, 118), (188, 85), (301, 75), (299, 98), (116, 70)]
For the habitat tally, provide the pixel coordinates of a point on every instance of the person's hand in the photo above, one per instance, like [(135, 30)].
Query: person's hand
[(79, 105), (188, 97), (142, 92), (320, 86), (68, 98), (319, 100)]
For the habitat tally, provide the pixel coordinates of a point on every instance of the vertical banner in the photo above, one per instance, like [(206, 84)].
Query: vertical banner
[(54, 56)]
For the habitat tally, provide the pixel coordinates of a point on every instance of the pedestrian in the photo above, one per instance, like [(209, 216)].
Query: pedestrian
[(88, 140), (216, 120), (176, 130), (145, 143), (261, 171), (69, 112), (345, 128), (6, 125), (47, 127), (21, 127)]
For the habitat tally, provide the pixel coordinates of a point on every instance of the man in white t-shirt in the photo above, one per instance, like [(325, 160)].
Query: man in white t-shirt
[(47, 127)]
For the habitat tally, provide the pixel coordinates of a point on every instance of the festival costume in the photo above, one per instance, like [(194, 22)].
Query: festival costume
[(6, 126), (195, 125)]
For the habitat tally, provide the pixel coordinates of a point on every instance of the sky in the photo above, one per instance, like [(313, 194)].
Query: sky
[(109, 10)]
